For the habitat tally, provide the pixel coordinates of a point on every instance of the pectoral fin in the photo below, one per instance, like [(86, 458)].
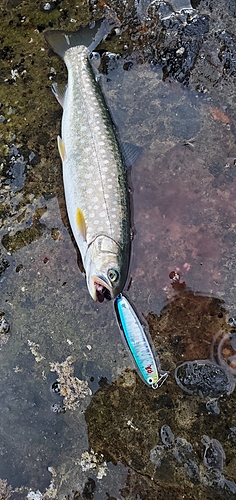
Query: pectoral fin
[(81, 224), (130, 153), (61, 148)]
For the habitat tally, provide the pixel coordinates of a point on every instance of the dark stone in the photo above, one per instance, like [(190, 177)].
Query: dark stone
[(89, 489), (197, 27), (204, 378), (4, 264)]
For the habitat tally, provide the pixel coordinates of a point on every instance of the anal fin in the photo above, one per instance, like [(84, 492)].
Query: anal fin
[(59, 91)]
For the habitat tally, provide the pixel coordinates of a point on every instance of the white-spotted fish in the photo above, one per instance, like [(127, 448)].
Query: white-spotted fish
[(94, 173), (137, 341)]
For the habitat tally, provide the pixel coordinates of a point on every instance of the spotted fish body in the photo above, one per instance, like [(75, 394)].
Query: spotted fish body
[(139, 345), (94, 174)]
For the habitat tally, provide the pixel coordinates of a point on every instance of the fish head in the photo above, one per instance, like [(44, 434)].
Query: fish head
[(105, 267)]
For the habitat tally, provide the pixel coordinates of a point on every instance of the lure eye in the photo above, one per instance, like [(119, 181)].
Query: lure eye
[(113, 275), (150, 380)]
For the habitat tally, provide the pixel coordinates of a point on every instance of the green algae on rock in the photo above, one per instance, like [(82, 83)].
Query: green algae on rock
[(13, 242)]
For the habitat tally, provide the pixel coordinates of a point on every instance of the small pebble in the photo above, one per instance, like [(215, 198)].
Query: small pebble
[(214, 454), (167, 436), (4, 325), (157, 454)]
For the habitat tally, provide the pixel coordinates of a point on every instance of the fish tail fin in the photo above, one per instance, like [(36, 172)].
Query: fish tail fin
[(90, 36)]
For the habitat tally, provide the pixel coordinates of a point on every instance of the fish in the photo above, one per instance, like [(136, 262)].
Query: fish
[(93, 165), (140, 348)]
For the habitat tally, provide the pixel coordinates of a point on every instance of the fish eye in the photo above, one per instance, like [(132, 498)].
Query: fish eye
[(150, 380), (113, 275)]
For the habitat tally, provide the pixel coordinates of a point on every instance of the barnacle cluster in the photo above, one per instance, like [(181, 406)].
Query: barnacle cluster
[(71, 388), (4, 329), (5, 489), (34, 350), (92, 461)]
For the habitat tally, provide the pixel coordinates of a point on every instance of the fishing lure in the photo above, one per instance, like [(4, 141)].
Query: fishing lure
[(140, 348)]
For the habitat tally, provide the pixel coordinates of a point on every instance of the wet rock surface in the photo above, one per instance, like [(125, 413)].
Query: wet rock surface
[(171, 91)]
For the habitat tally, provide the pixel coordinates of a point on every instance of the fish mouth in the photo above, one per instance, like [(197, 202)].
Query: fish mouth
[(101, 289)]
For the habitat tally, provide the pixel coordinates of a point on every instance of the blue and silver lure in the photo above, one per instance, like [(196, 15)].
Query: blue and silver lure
[(140, 348)]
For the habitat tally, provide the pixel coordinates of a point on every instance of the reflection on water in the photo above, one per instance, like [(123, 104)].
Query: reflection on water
[(124, 441)]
